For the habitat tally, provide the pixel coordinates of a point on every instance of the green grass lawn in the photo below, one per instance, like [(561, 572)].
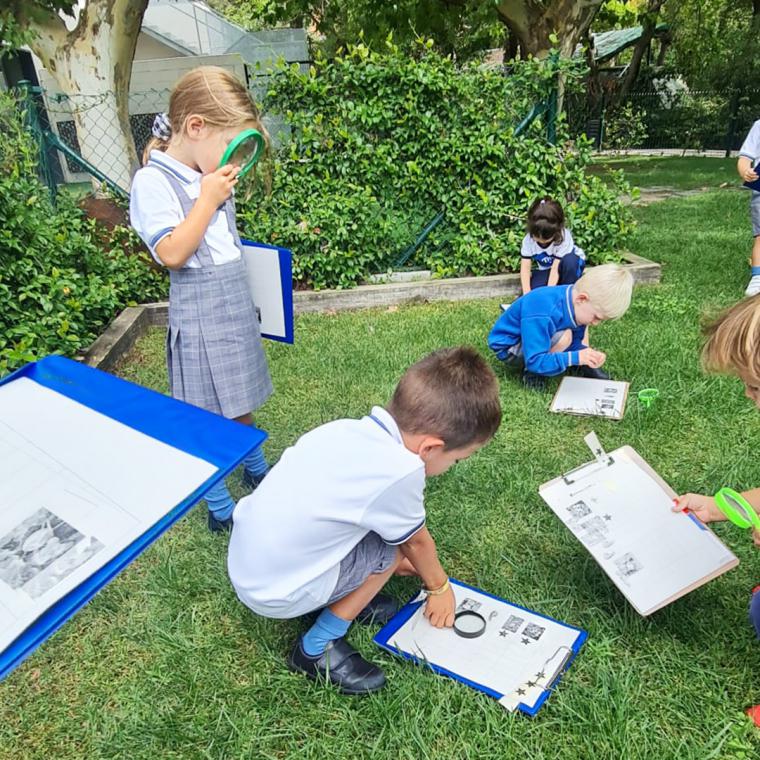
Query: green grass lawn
[(680, 173), (166, 663)]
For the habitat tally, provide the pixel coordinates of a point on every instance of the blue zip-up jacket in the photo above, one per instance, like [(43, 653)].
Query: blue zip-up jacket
[(532, 320)]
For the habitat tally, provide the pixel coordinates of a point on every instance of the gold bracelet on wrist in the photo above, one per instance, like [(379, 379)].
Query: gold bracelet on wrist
[(438, 591)]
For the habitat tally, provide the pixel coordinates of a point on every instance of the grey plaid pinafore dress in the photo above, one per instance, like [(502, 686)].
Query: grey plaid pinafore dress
[(213, 345)]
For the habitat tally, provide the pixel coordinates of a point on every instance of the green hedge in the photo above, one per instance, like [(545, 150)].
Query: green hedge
[(61, 279), (379, 144)]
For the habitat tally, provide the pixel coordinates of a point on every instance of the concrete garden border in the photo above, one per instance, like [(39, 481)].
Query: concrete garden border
[(134, 321)]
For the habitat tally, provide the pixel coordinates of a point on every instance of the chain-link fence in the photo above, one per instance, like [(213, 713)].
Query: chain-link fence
[(81, 137), (668, 119)]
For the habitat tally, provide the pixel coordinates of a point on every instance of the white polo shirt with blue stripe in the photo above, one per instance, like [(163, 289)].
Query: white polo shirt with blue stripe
[(154, 209), (544, 257), (335, 485), (751, 146)]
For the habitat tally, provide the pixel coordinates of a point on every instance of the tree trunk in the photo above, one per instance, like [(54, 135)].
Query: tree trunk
[(665, 42), (93, 66), (649, 27), (534, 21)]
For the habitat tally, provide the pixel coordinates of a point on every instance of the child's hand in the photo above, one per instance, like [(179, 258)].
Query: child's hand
[(704, 507), (217, 186), (748, 174), (440, 609), (591, 358)]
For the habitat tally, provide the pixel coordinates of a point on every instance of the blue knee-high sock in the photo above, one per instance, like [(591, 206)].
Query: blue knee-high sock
[(255, 463), (755, 270), (219, 501), (326, 628), (754, 611)]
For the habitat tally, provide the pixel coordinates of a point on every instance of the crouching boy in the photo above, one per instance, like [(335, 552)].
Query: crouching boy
[(546, 330), (343, 510)]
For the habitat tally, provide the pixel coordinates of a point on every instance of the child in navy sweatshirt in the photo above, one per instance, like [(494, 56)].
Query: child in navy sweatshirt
[(546, 330)]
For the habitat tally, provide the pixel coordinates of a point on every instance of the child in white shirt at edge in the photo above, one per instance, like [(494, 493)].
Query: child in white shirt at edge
[(749, 153), (343, 510), (733, 347), (548, 254), (182, 206)]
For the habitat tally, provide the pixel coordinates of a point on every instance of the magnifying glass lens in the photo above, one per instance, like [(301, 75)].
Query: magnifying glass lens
[(243, 153), (738, 506), (469, 624)]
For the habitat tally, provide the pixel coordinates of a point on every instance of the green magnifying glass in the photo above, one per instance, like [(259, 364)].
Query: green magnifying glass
[(648, 395), (244, 151), (737, 509)]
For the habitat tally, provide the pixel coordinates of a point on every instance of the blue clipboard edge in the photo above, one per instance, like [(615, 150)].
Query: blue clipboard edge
[(56, 615), (202, 433), (386, 632), (286, 281)]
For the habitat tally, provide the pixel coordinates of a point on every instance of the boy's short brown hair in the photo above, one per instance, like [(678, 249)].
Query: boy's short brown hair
[(452, 394), (733, 340)]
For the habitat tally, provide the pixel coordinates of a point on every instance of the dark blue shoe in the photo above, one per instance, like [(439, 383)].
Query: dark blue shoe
[(340, 664), (253, 481), (593, 373), (219, 526), (533, 381), (379, 611)]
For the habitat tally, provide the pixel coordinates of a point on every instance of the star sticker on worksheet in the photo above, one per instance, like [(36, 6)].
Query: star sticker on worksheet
[(521, 691), (540, 674), (530, 684), (608, 517), (526, 641), (502, 632)]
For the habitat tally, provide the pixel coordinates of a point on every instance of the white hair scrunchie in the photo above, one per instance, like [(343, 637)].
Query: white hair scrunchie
[(162, 127)]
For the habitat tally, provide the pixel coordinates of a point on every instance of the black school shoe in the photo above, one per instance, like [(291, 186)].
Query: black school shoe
[(340, 664), (252, 481), (533, 381), (379, 611), (593, 373), (219, 526)]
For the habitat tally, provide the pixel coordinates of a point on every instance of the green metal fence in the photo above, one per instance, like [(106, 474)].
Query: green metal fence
[(671, 118)]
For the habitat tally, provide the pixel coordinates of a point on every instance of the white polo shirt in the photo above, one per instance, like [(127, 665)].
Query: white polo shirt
[(154, 209), (337, 483), (751, 146), (544, 257)]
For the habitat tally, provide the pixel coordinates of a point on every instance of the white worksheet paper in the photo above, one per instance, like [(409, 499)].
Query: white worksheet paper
[(625, 520), (600, 398), (265, 282), (518, 651), (76, 487)]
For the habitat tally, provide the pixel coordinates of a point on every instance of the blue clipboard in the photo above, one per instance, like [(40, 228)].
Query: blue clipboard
[(219, 441), (385, 635), (755, 184), (270, 278)]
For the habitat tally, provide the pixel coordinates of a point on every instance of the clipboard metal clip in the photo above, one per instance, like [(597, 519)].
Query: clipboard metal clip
[(602, 459)]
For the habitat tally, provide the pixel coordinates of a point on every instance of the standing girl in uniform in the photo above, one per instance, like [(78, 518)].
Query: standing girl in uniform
[(182, 206)]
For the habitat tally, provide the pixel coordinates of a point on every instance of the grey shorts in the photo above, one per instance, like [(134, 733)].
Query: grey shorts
[(754, 212), (369, 557), (515, 356)]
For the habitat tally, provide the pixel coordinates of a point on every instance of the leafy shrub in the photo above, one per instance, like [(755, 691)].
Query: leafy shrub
[(379, 144), (624, 127), (59, 287)]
